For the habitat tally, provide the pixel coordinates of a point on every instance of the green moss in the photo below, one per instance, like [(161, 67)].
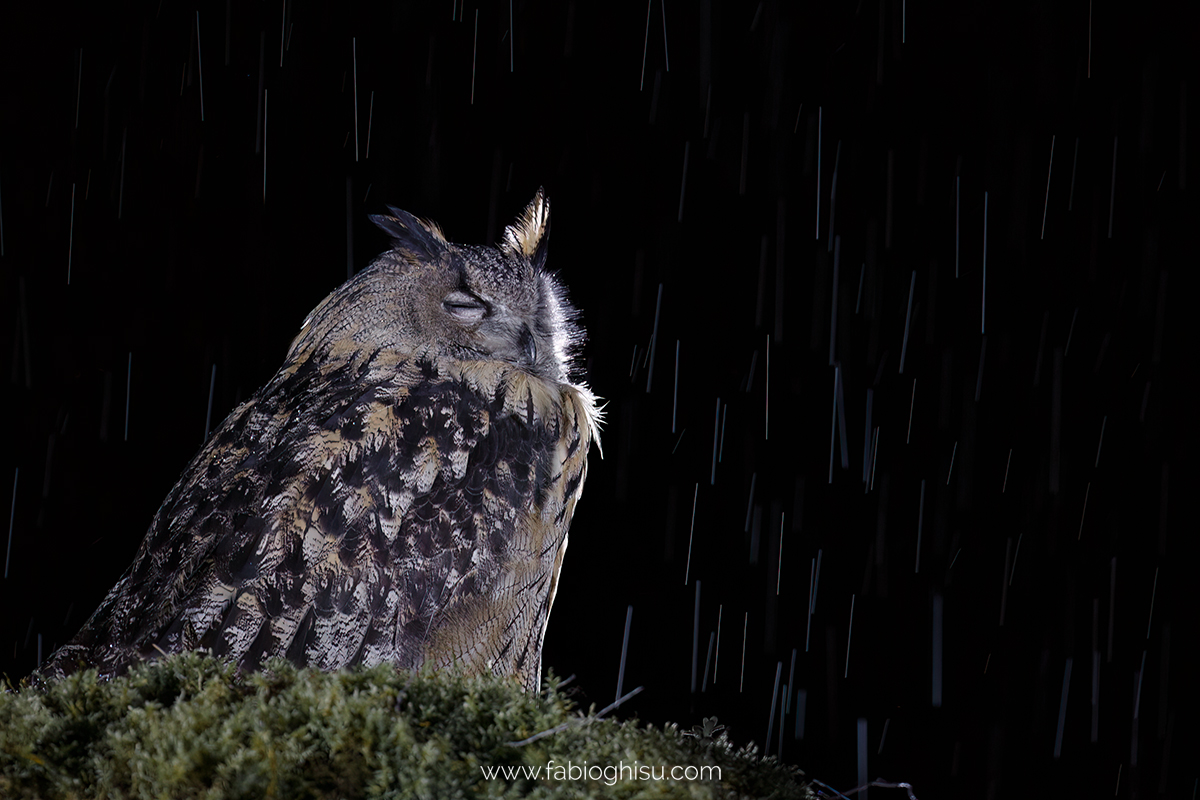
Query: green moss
[(191, 726)]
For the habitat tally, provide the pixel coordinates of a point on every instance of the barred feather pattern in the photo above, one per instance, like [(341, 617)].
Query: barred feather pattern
[(368, 505)]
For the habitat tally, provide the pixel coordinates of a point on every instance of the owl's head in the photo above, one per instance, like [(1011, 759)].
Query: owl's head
[(428, 296)]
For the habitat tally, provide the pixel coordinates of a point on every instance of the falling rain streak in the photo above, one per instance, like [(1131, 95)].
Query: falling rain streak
[(1046, 203), (983, 302), (12, 515)]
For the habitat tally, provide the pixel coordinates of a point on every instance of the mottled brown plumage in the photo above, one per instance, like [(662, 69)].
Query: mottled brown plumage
[(400, 491)]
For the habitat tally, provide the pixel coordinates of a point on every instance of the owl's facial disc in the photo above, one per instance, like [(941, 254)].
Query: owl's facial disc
[(497, 323), (495, 332)]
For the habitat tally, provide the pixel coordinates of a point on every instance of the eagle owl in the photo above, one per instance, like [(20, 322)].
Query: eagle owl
[(400, 491)]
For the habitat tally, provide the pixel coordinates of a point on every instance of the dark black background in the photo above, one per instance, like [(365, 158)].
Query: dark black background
[(176, 258)]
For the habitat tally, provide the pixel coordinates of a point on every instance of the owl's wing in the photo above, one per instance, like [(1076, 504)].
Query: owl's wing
[(359, 510)]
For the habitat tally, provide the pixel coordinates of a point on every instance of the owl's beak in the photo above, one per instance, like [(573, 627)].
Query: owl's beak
[(528, 346)]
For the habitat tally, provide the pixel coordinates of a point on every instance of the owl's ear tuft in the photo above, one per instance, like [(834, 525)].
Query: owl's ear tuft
[(528, 236), (419, 238)]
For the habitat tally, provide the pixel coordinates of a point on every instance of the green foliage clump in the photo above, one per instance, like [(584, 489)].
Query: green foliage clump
[(191, 726)]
